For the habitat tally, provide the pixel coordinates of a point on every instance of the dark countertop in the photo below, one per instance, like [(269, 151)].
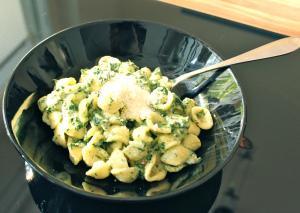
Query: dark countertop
[(263, 179)]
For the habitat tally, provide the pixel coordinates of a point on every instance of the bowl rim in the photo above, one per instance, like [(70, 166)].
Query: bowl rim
[(78, 191)]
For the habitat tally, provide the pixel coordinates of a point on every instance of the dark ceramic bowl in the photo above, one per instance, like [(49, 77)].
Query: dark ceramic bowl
[(146, 44)]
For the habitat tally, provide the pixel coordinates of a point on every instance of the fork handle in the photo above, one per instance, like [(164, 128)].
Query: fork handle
[(272, 49)]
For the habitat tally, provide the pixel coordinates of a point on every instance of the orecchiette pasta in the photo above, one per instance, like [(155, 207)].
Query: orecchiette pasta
[(168, 140), (99, 170), (126, 175), (135, 151), (74, 128), (145, 71), (202, 117), (83, 110), (59, 136), (114, 146), (118, 160), (52, 118), (124, 120), (161, 98), (154, 170), (64, 82), (157, 123), (193, 129), (92, 132), (176, 155), (117, 133), (75, 147), (191, 142), (165, 82), (46, 120), (189, 104), (42, 104), (142, 133), (109, 63), (109, 104), (193, 159), (156, 75), (127, 67), (92, 152)]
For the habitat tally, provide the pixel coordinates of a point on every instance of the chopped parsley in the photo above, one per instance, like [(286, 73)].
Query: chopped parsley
[(73, 107), (49, 109), (141, 169), (155, 148), (177, 106), (77, 143), (83, 89), (153, 85), (164, 90), (99, 120), (77, 123), (178, 121), (96, 119), (201, 114), (114, 66), (149, 156), (102, 144)]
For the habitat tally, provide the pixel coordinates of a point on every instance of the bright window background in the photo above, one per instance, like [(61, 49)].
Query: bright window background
[(12, 27)]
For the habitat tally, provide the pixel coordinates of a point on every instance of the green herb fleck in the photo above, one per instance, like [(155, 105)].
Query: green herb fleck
[(77, 143), (77, 123), (201, 114), (96, 120), (114, 66), (141, 169), (155, 148), (102, 144), (49, 109), (73, 107), (149, 156)]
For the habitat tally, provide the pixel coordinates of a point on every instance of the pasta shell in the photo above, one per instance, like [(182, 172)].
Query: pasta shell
[(125, 175), (168, 140), (118, 160), (153, 170), (202, 117), (193, 128), (135, 151), (99, 170), (191, 142), (157, 123), (142, 134), (176, 155)]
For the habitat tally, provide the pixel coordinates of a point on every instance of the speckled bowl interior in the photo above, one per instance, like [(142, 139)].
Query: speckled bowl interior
[(146, 44)]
